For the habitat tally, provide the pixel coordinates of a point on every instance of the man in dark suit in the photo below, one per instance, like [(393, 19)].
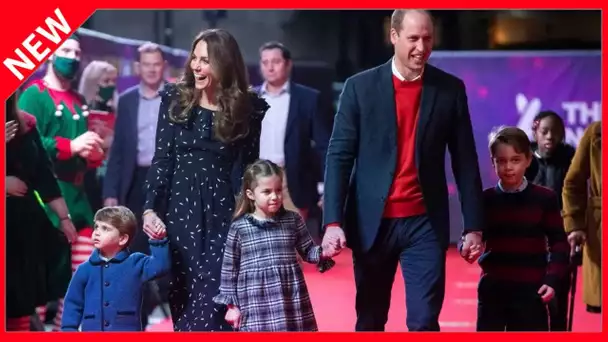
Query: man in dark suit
[(385, 186), (134, 144), (295, 133)]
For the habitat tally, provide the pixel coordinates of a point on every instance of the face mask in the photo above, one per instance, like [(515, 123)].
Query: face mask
[(106, 93), (66, 67)]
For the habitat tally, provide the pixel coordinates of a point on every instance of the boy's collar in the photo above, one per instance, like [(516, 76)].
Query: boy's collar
[(97, 259), (521, 187)]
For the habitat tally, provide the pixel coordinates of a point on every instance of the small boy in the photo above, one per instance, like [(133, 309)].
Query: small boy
[(522, 220), (105, 293)]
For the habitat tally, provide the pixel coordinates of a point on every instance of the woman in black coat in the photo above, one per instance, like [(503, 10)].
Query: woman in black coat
[(30, 236)]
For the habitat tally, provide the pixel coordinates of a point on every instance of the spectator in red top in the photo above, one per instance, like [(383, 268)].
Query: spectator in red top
[(390, 135)]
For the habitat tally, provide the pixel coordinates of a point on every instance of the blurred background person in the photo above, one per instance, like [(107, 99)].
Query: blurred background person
[(98, 86), (294, 133), (582, 196), (32, 242), (133, 148)]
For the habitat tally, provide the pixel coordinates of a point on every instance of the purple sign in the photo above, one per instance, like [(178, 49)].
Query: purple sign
[(510, 88), (122, 53)]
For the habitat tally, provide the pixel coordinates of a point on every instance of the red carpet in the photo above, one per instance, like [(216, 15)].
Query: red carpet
[(333, 297)]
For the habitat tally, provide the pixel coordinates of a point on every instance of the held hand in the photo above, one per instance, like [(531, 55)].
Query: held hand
[(233, 317), (154, 226), (334, 241), (546, 293), (328, 253), (15, 187), (68, 229), (11, 130), (161, 233), (472, 247), (576, 238)]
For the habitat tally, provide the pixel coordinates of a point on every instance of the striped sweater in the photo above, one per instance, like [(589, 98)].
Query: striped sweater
[(521, 227)]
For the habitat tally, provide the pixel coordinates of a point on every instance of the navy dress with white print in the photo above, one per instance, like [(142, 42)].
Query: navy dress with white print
[(190, 187)]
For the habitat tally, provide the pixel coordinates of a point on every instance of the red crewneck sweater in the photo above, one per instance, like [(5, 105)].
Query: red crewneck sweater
[(405, 196)]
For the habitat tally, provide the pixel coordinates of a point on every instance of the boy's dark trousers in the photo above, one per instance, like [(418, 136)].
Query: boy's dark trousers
[(558, 306), (505, 306)]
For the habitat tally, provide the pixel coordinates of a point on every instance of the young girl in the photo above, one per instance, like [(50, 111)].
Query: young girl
[(105, 293), (552, 156), (262, 283), (549, 166)]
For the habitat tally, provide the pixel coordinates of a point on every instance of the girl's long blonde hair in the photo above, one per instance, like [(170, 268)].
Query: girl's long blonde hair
[(89, 81), (260, 168)]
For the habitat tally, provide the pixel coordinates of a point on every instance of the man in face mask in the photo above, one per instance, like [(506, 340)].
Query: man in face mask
[(61, 118)]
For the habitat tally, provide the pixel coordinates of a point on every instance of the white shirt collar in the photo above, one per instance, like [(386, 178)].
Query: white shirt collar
[(284, 88), (398, 74), (521, 187)]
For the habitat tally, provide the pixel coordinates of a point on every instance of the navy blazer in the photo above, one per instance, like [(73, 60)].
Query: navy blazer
[(362, 154), (306, 139), (122, 161)]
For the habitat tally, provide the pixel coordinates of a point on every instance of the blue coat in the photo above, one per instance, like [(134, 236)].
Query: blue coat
[(107, 296)]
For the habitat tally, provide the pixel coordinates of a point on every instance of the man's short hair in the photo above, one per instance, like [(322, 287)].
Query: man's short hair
[(511, 136), (399, 14), (277, 45), (149, 47)]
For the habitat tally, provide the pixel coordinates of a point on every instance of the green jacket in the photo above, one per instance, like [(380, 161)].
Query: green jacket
[(60, 118)]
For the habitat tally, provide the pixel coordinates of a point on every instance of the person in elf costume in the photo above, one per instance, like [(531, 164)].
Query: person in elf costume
[(61, 118)]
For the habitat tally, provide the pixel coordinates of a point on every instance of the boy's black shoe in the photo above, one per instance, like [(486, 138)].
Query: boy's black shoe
[(594, 309)]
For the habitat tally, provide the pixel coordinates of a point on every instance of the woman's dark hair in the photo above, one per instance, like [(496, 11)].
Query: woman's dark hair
[(545, 114), (260, 168), (230, 123)]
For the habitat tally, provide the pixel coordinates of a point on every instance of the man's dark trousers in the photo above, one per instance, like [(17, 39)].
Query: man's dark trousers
[(413, 243)]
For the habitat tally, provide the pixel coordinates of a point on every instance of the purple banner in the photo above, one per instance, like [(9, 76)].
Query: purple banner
[(510, 88), (122, 53)]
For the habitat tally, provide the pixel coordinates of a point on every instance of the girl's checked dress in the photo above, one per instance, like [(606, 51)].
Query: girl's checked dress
[(261, 274)]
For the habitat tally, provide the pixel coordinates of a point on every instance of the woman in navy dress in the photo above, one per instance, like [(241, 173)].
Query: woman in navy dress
[(208, 130)]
